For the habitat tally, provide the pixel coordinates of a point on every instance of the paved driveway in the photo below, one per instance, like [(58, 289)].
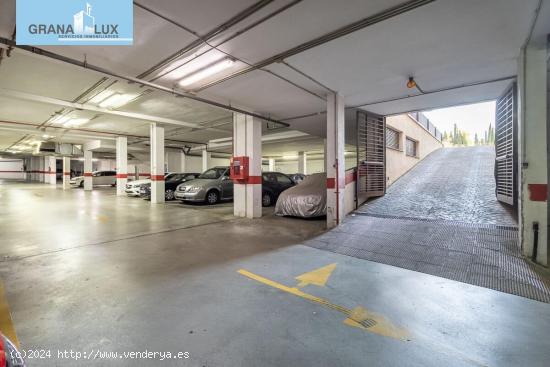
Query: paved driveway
[(452, 184)]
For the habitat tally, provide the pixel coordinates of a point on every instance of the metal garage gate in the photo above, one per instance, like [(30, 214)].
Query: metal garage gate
[(371, 156), (506, 147)]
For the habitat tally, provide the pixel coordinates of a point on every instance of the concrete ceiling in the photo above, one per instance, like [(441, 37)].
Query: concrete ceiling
[(443, 44)]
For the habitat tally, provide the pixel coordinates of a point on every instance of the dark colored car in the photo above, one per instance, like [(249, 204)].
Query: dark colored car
[(273, 183), (170, 185)]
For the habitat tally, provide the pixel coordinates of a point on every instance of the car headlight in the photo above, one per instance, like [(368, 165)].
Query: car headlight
[(194, 189)]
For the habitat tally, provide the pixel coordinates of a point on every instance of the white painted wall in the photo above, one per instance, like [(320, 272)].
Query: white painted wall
[(172, 163), (397, 161), (12, 169), (316, 165)]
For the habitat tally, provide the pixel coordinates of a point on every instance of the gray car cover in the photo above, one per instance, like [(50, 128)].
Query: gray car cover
[(307, 200)]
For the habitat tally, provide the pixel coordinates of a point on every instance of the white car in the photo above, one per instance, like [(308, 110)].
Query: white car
[(132, 188), (98, 178)]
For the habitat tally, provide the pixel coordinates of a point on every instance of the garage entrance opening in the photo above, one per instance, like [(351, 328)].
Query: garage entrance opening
[(447, 215)]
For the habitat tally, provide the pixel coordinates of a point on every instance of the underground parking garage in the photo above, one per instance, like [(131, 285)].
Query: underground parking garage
[(266, 183)]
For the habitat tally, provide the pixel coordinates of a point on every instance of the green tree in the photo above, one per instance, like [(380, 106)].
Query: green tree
[(491, 135)]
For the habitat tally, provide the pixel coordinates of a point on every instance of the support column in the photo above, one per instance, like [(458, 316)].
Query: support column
[(533, 150), (32, 163), (66, 173), (41, 169), (183, 162), (206, 157), (271, 164), (335, 163), (247, 141), (121, 164), (27, 168), (88, 168), (35, 169), (157, 164), (50, 165), (302, 162)]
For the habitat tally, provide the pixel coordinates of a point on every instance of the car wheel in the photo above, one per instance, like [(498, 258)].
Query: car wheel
[(169, 195), (81, 184), (266, 199), (212, 197)]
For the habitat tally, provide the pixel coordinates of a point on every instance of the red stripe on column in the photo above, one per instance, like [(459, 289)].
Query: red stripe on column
[(254, 180), (66, 173), (121, 175), (251, 180), (157, 177), (331, 183), (87, 174), (538, 192)]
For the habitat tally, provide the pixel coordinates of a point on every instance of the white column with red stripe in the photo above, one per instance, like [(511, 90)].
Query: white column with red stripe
[(334, 160), (121, 165), (206, 157), (88, 168), (157, 164), (66, 173), (247, 142), (50, 170), (41, 169), (302, 162)]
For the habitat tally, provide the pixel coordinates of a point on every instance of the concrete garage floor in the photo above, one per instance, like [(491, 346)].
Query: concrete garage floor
[(225, 291)]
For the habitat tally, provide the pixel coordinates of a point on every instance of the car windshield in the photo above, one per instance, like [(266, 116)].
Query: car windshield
[(213, 173), (174, 178)]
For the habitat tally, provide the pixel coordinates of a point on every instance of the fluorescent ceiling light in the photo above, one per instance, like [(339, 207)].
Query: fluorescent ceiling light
[(207, 71), (75, 122), (117, 100), (100, 97), (61, 119)]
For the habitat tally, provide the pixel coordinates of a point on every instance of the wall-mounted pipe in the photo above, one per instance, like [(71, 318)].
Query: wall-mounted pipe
[(535, 241)]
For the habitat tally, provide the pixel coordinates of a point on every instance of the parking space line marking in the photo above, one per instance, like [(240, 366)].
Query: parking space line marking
[(6, 323), (359, 317)]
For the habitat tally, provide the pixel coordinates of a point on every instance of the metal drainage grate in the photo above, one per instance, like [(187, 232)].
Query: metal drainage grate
[(368, 323), (484, 255)]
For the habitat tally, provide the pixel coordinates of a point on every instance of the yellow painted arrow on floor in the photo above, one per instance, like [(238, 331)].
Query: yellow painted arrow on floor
[(359, 317), (318, 277)]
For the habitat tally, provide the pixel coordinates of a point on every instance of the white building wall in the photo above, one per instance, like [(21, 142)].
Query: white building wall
[(12, 169)]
